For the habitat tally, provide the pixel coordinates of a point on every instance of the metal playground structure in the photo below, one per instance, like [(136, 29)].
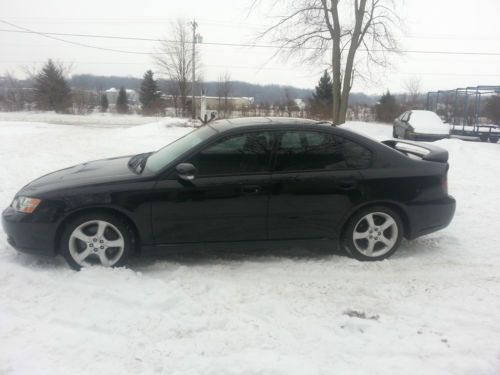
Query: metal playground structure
[(462, 109)]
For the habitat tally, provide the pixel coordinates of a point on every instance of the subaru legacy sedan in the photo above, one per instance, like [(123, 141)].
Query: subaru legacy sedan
[(250, 183)]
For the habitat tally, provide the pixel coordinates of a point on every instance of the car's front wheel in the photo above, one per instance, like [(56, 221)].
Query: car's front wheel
[(94, 239), (394, 134), (374, 233)]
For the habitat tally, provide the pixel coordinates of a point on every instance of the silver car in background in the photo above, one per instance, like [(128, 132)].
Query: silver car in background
[(420, 125)]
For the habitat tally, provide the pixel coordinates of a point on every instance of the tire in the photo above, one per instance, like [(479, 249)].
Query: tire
[(483, 138), (493, 139), (394, 134), (360, 235), (89, 239)]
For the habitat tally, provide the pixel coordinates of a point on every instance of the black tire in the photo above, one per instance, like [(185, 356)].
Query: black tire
[(357, 221), (483, 138), (493, 139), (117, 227), (394, 134), (406, 135)]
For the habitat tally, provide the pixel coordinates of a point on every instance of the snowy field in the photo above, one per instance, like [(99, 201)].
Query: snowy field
[(433, 308)]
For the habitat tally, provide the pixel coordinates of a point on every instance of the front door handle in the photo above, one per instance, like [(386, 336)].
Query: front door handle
[(251, 189)]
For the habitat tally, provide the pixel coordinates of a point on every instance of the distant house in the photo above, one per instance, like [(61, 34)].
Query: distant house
[(234, 102), (112, 95)]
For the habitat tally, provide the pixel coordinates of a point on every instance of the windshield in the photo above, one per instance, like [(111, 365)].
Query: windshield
[(172, 151)]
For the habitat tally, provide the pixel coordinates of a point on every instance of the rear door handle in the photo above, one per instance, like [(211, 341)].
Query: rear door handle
[(347, 184)]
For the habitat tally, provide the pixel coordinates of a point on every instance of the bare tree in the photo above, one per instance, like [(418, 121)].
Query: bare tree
[(314, 29), (174, 60), (413, 89), (13, 96), (224, 89)]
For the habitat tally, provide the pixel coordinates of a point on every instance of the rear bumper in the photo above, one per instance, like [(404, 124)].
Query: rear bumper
[(28, 236), (428, 217)]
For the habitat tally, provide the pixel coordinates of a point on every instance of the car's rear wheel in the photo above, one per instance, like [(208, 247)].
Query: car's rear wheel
[(97, 239), (493, 138), (374, 233)]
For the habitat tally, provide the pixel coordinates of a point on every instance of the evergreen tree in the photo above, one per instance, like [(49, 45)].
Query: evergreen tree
[(51, 90), (104, 103), (387, 108), (322, 97), (149, 95), (122, 101)]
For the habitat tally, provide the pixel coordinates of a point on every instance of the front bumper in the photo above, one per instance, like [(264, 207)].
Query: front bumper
[(26, 234), (428, 217), (426, 137)]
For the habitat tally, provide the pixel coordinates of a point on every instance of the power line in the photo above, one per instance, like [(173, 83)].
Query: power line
[(249, 68), (51, 36)]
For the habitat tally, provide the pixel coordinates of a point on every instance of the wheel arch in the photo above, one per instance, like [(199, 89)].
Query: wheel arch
[(97, 209), (396, 207)]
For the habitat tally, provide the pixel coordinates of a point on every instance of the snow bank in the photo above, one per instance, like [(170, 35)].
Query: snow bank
[(100, 119), (431, 309)]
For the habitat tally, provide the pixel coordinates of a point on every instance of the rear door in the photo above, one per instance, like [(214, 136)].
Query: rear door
[(316, 180)]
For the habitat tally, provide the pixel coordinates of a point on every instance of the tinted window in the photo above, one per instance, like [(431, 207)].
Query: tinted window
[(238, 154), (302, 150)]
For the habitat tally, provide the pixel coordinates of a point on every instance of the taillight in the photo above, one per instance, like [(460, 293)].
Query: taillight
[(444, 184)]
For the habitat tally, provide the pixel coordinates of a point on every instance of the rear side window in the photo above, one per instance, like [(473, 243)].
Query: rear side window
[(305, 151), (237, 154)]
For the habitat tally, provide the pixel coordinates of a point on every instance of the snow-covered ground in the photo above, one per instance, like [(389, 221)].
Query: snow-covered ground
[(433, 308)]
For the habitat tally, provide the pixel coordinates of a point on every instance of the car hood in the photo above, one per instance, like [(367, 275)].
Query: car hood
[(90, 173)]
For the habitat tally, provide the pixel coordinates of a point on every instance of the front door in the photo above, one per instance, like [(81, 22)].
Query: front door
[(228, 199)]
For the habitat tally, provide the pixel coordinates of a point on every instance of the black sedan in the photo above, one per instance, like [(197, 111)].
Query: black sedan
[(245, 182)]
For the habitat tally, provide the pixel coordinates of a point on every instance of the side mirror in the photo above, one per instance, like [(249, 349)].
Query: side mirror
[(186, 171)]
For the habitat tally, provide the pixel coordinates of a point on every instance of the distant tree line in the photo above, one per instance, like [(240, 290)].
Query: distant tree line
[(51, 89)]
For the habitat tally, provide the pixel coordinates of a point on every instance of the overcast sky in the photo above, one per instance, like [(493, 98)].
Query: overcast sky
[(431, 25)]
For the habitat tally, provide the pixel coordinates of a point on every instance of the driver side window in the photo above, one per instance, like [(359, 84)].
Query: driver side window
[(237, 154)]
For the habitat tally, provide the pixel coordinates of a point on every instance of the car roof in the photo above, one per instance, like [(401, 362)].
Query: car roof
[(260, 122)]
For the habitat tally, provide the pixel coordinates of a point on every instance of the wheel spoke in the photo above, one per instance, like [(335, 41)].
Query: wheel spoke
[(386, 241), (388, 223), (78, 233), (369, 249), (360, 235), (104, 259), (101, 227), (369, 219), (80, 257), (114, 243)]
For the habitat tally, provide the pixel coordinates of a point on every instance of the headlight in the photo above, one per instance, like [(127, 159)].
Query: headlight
[(25, 204)]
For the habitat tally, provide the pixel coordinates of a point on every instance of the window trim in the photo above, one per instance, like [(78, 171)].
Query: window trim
[(275, 153)]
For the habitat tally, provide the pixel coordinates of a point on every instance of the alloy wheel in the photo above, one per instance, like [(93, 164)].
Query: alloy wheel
[(95, 242), (375, 234)]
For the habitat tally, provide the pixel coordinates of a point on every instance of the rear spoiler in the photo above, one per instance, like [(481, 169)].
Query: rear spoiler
[(425, 151)]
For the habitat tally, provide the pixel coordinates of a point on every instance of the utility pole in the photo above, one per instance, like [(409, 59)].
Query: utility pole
[(194, 25)]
